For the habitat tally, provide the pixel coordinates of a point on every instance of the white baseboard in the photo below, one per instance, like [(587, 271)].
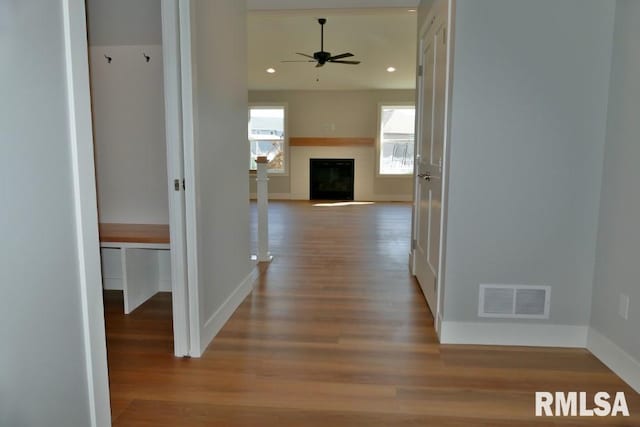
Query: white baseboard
[(224, 312), (112, 284), (164, 285), (392, 198), (520, 334), (616, 359), (272, 196), (115, 284)]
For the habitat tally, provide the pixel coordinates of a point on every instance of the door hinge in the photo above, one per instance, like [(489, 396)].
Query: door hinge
[(444, 36), (184, 185), (420, 70), (414, 243)]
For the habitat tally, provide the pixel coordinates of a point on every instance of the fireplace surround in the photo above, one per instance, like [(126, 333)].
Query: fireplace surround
[(331, 179)]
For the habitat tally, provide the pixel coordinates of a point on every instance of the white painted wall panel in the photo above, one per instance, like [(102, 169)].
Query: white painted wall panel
[(42, 352), (528, 128), (129, 134), (617, 269), (222, 191)]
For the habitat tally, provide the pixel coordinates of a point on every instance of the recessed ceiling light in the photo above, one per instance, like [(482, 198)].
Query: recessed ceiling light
[(412, 10), (390, 69), (271, 70)]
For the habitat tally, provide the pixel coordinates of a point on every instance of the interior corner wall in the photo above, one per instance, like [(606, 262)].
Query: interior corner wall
[(219, 46), (43, 375), (335, 113), (527, 138), (617, 269)]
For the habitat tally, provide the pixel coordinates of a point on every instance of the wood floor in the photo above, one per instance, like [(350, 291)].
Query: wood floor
[(336, 333)]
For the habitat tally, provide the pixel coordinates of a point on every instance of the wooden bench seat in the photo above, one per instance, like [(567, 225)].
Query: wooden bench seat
[(139, 247)]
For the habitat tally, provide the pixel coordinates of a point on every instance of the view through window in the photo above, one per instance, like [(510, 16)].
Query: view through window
[(267, 136), (396, 140)]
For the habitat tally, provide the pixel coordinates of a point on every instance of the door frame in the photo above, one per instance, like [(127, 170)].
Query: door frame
[(446, 152), (86, 210), (181, 280), (85, 194)]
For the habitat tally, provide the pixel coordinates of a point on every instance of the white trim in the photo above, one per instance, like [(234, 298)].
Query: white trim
[(515, 334), (391, 198), (616, 359), (190, 173), (117, 284), (86, 212), (113, 283), (175, 166), (446, 153), (272, 196), (130, 245), (218, 319)]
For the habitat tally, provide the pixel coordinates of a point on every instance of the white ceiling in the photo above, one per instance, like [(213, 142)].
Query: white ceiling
[(378, 37)]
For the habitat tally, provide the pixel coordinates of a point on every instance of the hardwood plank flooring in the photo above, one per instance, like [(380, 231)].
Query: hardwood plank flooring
[(336, 333)]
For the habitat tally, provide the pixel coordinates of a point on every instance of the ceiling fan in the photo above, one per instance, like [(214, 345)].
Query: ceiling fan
[(322, 57)]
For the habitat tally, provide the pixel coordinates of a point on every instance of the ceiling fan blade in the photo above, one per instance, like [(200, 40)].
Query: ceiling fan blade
[(304, 54), (302, 60), (345, 62), (342, 55)]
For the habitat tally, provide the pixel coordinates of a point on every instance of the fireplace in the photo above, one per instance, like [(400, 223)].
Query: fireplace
[(331, 179)]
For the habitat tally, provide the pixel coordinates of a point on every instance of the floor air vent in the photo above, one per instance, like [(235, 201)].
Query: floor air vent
[(514, 301)]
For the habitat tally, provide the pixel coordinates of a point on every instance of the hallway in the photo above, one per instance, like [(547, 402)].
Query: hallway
[(336, 333)]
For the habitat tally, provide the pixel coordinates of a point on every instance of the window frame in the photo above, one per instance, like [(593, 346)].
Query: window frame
[(382, 105), (266, 106)]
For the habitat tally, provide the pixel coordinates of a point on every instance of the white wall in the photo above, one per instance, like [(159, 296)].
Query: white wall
[(129, 134), (221, 153), (617, 269), (124, 22), (335, 114), (42, 361), (528, 129)]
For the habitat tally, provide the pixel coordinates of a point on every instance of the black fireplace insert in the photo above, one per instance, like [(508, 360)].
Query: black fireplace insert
[(331, 179)]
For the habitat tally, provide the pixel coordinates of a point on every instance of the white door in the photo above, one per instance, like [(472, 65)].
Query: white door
[(429, 151)]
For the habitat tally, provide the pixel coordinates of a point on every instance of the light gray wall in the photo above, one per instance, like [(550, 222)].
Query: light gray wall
[(42, 356), (528, 128), (127, 97), (335, 114), (124, 22), (617, 269), (220, 91), (128, 110)]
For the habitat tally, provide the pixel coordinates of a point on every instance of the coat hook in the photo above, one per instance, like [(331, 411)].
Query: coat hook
[(146, 57), (109, 59)]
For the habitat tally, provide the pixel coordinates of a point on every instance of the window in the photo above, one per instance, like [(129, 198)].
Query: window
[(396, 139), (267, 136)]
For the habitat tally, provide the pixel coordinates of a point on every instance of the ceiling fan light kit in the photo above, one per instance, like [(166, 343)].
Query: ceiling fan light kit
[(322, 57)]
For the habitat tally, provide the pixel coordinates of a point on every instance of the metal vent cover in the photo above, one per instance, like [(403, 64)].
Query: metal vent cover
[(514, 301)]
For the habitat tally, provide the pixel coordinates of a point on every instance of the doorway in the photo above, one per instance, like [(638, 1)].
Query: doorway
[(135, 84)]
